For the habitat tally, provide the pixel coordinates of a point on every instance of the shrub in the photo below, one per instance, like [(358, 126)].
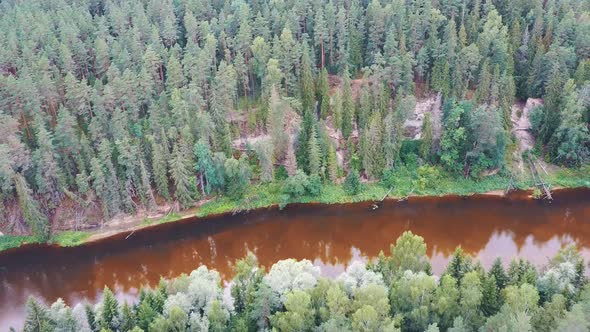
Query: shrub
[(352, 184), (281, 173), (315, 185), (296, 185), (427, 176)]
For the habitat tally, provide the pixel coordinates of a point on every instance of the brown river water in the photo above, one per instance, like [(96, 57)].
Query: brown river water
[(330, 236)]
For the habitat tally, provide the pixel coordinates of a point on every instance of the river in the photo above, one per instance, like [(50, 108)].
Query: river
[(330, 236)]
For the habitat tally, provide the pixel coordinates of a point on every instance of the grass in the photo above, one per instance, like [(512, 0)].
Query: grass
[(571, 178), (14, 241), (69, 238), (166, 219), (64, 239), (404, 182)]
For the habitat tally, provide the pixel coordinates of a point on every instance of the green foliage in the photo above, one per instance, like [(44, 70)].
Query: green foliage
[(352, 183), (300, 184), (38, 318), (296, 185), (238, 174), (70, 238), (109, 318), (454, 143), (35, 219), (15, 241), (427, 177)]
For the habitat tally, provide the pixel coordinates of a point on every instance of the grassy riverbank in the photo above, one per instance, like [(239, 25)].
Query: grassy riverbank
[(405, 184)]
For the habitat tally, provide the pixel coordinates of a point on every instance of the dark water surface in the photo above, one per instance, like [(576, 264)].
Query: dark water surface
[(330, 236)]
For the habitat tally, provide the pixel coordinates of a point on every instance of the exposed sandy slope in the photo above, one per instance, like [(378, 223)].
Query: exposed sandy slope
[(522, 124), (413, 125), (521, 127)]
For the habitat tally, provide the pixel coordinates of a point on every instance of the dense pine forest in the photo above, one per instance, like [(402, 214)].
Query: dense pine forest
[(112, 107), (396, 293)]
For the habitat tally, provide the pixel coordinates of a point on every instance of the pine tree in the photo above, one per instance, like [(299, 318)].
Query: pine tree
[(321, 34), (32, 214), (307, 83), (342, 53)]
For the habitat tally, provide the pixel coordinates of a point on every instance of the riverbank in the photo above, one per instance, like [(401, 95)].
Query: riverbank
[(271, 195)]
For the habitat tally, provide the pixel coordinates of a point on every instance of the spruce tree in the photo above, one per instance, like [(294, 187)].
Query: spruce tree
[(32, 214), (303, 138), (264, 150), (109, 318), (48, 173), (146, 194), (314, 153), (38, 318), (347, 108), (180, 171), (276, 124), (160, 168), (373, 157), (324, 94)]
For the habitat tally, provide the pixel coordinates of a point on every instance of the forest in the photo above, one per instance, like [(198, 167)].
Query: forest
[(110, 107), (397, 292)]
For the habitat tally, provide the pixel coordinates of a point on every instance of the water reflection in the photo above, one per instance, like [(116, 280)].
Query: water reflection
[(331, 237)]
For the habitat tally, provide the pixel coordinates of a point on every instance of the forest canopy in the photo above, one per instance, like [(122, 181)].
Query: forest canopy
[(110, 107)]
